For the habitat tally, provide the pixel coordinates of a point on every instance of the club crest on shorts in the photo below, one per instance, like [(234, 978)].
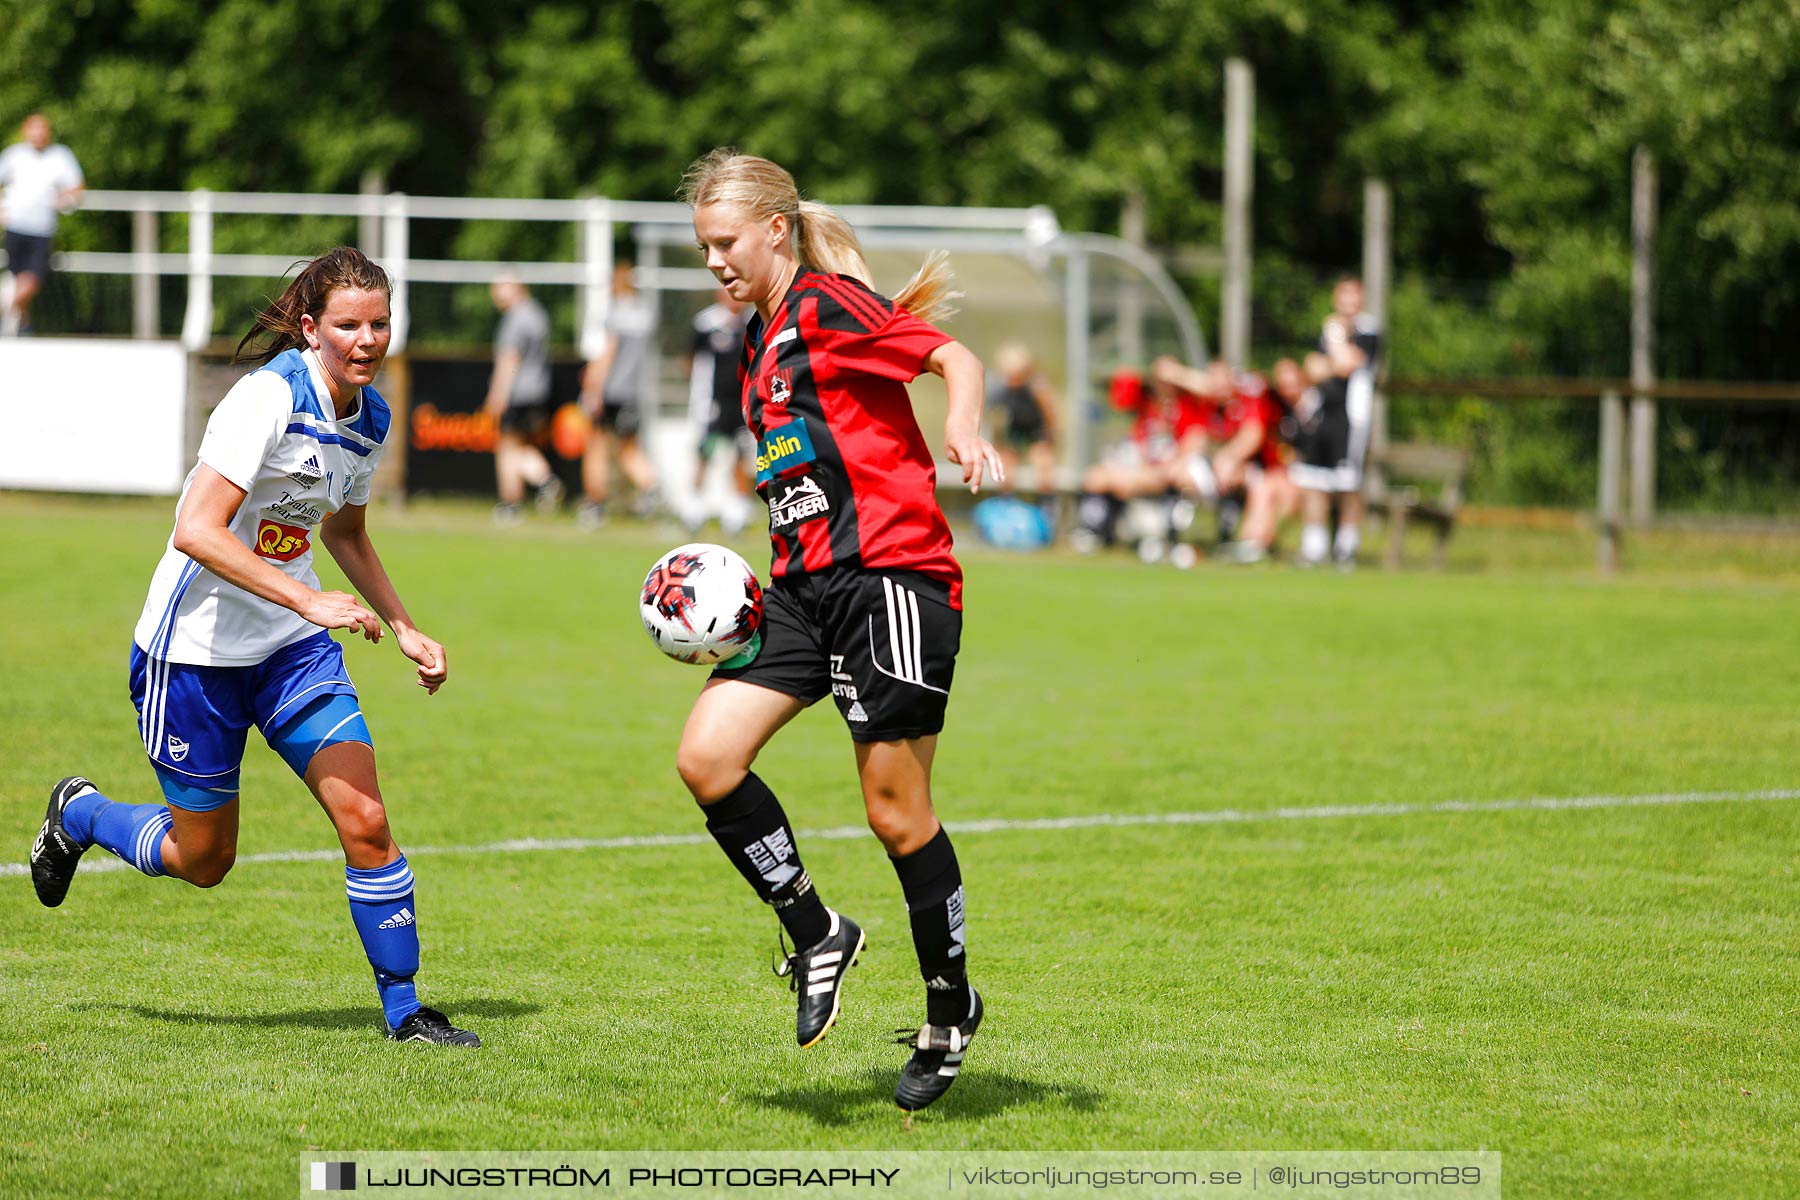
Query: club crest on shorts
[(178, 749)]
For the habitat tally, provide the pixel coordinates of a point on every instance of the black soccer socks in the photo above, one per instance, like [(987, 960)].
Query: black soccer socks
[(932, 883), (751, 828)]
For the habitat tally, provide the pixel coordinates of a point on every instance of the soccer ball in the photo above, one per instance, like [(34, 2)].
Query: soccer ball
[(701, 604)]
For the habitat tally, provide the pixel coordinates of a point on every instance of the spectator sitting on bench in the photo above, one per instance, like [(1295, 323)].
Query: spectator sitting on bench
[(1274, 497), (1241, 444), (1169, 429)]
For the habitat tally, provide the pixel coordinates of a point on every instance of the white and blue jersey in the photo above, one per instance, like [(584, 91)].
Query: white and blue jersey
[(276, 435), (210, 659)]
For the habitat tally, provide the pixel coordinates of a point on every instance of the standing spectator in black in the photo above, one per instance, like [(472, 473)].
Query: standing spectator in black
[(38, 181), (1331, 453), (1351, 343), (612, 390), (716, 411), (1349, 323), (519, 395)]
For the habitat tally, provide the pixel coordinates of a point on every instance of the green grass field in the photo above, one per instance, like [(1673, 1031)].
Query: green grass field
[(1606, 995)]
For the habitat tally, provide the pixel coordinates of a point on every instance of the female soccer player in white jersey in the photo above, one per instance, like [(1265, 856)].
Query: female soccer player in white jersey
[(233, 633), (865, 598)]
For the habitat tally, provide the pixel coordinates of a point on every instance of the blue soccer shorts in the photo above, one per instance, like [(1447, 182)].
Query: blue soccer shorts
[(194, 719)]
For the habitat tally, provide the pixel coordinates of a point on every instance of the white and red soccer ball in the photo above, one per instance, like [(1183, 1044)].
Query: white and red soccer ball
[(701, 604)]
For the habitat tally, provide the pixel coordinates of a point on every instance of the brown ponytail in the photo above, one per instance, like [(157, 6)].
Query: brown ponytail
[(823, 240), (307, 295)]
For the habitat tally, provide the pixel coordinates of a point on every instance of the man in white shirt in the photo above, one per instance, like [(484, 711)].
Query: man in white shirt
[(38, 181)]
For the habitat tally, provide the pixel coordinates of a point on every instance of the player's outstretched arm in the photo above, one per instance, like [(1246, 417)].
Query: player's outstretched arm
[(202, 533), (963, 379), (346, 535)]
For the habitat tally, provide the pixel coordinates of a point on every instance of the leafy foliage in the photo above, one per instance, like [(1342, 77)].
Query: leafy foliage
[(1506, 128)]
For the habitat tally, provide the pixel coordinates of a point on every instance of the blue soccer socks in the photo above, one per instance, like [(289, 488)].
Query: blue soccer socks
[(382, 906), (134, 832)]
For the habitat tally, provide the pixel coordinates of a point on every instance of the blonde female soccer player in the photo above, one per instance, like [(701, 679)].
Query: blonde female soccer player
[(233, 632), (865, 598)]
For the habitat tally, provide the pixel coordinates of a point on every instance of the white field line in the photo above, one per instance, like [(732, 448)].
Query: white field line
[(1223, 816)]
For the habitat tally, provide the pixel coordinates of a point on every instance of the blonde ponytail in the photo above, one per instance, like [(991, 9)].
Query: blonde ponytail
[(823, 240), (827, 242), (929, 295)]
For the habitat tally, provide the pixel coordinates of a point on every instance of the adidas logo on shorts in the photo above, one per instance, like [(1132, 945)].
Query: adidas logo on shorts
[(399, 920), (857, 712)]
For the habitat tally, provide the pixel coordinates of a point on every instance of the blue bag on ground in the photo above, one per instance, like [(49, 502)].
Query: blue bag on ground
[(1011, 524)]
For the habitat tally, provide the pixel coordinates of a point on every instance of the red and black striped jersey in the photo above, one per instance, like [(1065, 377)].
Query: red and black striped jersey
[(840, 459)]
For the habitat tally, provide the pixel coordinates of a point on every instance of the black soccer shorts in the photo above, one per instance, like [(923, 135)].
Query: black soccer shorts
[(882, 644)]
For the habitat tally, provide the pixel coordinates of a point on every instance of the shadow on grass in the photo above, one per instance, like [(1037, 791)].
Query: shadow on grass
[(976, 1096), (308, 1018)]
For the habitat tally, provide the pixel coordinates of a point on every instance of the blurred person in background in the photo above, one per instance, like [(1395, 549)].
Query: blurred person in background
[(716, 412), (1348, 322), (1241, 423), (612, 396), (1168, 432), (1022, 398), (235, 632), (1351, 341), (39, 180), (519, 397), (1330, 456), (1273, 497)]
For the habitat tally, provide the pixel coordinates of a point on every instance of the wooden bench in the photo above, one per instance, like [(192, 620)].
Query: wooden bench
[(1418, 481)]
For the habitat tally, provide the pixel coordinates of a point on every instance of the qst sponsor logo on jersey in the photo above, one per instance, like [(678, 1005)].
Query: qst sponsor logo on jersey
[(803, 501), (283, 543), (783, 452)]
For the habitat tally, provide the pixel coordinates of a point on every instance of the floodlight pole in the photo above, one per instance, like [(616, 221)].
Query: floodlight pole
[(146, 300), (196, 323), (1075, 337), (1240, 116), (368, 222), (596, 275), (1643, 336), (1132, 228), (649, 389), (1377, 268), (397, 244), (1612, 463)]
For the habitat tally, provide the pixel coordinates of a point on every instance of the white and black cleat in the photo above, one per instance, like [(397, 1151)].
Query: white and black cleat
[(817, 975), (937, 1057), (54, 854), (430, 1025)]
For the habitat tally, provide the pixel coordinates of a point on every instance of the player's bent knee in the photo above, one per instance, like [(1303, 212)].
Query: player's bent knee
[(708, 773), (210, 871), (363, 820), (899, 827)]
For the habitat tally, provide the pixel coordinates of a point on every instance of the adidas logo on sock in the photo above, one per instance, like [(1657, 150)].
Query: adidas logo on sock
[(399, 920), (939, 984), (856, 712)]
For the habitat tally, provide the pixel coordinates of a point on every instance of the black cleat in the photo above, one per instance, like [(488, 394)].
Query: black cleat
[(430, 1025), (937, 1057), (817, 974), (54, 854)]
